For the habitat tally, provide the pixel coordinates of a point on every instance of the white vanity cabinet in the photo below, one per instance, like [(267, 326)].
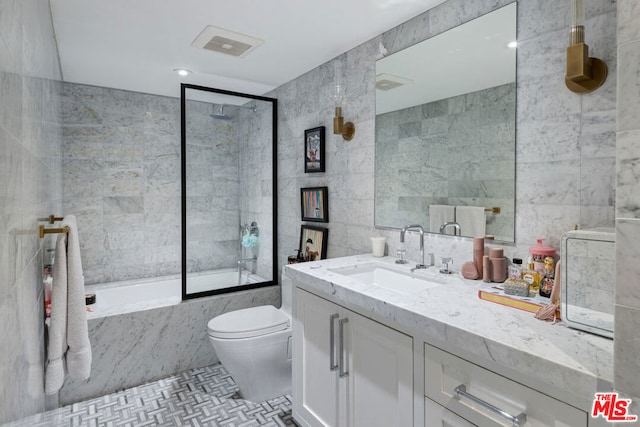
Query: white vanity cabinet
[(348, 370), (473, 395)]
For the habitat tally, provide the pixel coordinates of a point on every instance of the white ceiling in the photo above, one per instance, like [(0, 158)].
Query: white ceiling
[(136, 45)]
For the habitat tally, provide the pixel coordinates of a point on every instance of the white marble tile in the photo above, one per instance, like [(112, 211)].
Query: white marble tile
[(627, 271), (628, 174), (628, 29), (626, 350), (629, 86)]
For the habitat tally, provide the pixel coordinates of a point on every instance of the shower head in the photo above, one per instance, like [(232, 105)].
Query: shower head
[(218, 112)]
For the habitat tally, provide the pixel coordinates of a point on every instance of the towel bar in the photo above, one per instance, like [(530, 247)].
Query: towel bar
[(42, 231), (494, 210), (51, 219)]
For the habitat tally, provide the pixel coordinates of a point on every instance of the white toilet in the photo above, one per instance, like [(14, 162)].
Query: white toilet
[(254, 345)]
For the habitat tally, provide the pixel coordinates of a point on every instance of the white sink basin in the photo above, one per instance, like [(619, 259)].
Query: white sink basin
[(388, 278)]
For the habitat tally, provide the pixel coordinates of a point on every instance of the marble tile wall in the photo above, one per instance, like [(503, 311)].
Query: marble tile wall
[(565, 149), (627, 293), (256, 181), (455, 151), (30, 172), (213, 182), (122, 181)]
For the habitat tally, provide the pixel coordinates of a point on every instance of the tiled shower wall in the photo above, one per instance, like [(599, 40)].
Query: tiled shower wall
[(256, 179), (213, 183), (565, 147), (122, 181), (455, 151), (31, 187)]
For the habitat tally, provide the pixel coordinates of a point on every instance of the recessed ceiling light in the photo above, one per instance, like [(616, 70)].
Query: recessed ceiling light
[(513, 44), (182, 71)]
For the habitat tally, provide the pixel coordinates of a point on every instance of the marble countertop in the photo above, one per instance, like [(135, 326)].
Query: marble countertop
[(546, 354)]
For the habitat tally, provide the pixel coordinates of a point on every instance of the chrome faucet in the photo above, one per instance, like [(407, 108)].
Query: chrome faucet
[(242, 262), (421, 230), (451, 224)]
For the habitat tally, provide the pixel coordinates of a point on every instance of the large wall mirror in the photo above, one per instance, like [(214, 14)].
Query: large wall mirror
[(445, 131)]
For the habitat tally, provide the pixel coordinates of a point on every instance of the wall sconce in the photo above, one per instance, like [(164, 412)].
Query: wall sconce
[(584, 74), (348, 129)]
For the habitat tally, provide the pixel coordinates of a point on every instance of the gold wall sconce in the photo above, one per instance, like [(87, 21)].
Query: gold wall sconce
[(340, 127), (584, 74), (347, 130)]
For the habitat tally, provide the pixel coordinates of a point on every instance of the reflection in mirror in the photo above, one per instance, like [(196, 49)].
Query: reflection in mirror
[(228, 212), (445, 130)]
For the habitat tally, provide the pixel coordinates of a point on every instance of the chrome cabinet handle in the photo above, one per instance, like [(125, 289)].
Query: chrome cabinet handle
[(517, 421), (342, 360), (332, 343)]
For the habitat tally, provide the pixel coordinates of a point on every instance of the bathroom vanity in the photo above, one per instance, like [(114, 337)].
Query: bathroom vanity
[(378, 345)]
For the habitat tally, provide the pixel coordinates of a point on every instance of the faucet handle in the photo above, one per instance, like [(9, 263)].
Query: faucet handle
[(401, 253), (446, 261)]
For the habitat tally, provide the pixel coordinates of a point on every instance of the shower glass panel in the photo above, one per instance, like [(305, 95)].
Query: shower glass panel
[(228, 187)]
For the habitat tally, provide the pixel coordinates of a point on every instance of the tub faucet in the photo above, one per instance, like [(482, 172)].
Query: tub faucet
[(453, 224), (421, 230), (242, 262)]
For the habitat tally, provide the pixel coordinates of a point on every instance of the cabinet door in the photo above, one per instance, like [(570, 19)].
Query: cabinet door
[(315, 386), (380, 380)]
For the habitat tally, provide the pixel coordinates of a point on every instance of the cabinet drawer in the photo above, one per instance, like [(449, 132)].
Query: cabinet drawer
[(439, 416), (445, 372)]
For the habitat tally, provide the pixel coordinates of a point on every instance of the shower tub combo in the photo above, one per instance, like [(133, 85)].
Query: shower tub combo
[(141, 331)]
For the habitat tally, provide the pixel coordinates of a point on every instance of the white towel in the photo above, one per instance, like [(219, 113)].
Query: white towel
[(440, 214), (472, 220), (69, 346)]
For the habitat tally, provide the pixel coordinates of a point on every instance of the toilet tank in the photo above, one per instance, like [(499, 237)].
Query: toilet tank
[(287, 293)]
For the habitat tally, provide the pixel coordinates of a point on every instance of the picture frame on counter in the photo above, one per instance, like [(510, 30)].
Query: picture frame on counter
[(313, 242)]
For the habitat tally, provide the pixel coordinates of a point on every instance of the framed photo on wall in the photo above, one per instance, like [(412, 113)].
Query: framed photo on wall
[(314, 204), (313, 242), (314, 150)]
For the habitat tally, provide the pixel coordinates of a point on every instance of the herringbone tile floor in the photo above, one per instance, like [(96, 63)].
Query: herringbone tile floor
[(200, 397)]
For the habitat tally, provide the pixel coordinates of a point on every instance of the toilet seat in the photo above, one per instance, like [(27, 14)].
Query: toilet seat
[(248, 323)]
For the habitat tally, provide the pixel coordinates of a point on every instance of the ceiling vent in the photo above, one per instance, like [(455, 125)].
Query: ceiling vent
[(219, 40), (387, 81)]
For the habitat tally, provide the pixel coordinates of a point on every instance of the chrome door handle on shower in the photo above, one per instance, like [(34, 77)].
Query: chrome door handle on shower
[(517, 421), (342, 359), (332, 343)]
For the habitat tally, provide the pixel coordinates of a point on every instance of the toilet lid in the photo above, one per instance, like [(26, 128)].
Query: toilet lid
[(248, 322)]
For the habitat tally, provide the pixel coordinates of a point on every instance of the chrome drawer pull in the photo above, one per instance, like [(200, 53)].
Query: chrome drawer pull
[(343, 362), (332, 343), (517, 421)]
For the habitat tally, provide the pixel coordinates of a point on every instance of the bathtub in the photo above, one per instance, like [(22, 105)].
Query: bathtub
[(140, 331), (144, 294)]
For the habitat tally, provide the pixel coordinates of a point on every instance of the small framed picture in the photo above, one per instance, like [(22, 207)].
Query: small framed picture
[(313, 242), (314, 204), (314, 150)]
